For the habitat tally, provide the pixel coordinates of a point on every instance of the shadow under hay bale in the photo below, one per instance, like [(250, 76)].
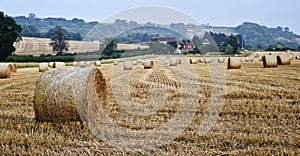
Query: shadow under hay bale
[(269, 61), (128, 65), (283, 59), (67, 94), (234, 63), (43, 66), (148, 64), (6, 70)]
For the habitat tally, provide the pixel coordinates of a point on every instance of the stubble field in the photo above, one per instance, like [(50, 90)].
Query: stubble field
[(261, 115)]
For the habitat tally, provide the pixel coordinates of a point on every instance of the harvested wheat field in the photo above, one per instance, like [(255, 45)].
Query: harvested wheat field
[(260, 116)]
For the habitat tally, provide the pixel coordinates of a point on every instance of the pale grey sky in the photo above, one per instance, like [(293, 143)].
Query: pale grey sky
[(273, 13)]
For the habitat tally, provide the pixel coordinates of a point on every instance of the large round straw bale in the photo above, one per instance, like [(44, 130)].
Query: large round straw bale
[(14, 65), (43, 66), (6, 70), (234, 63), (193, 61), (283, 59), (208, 60), (148, 64), (88, 63), (140, 61), (82, 64), (269, 61), (67, 94), (75, 63), (297, 57), (51, 64), (128, 65), (59, 65), (97, 63), (251, 59), (116, 62), (173, 62), (201, 60), (179, 61), (134, 62), (247, 59), (221, 60)]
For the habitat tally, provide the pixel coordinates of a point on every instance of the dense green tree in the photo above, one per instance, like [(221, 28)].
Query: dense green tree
[(9, 34), (232, 41), (30, 31), (59, 41), (229, 49), (108, 47)]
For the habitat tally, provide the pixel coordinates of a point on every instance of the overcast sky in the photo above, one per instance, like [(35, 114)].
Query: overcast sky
[(271, 13)]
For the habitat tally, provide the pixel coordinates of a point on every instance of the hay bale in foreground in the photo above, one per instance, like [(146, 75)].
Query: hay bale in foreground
[(247, 59), (82, 64), (234, 63), (283, 59), (68, 94), (269, 61), (51, 64), (148, 64), (59, 65), (43, 66), (6, 70), (193, 61), (128, 65)]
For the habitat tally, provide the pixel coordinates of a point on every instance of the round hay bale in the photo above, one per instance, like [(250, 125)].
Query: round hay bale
[(148, 64), (51, 64), (6, 70), (66, 94), (97, 63), (116, 62), (88, 63), (140, 61), (269, 61), (283, 59), (201, 60), (43, 66), (173, 62), (221, 60), (179, 61), (193, 61), (251, 59), (297, 57), (14, 65), (208, 60), (75, 63), (235, 55), (59, 65), (234, 63), (260, 58), (247, 59), (82, 64), (128, 65), (166, 62), (134, 62)]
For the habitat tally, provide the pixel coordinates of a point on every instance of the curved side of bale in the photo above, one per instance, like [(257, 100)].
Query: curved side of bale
[(297, 57), (43, 67), (269, 61), (193, 61), (128, 65), (201, 60), (88, 63), (174, 62), (283, 59), (97, 63), (67, 94), (59, 65), (51, 64), (179, 61), (251, 59), (6, 70), (148, 64), (208, 60), (234, 63), (221, 60), (134, 62)]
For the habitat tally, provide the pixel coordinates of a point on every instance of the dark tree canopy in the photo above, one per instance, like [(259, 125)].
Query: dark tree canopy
[(59, 41), (9, 33), (108, 47)]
